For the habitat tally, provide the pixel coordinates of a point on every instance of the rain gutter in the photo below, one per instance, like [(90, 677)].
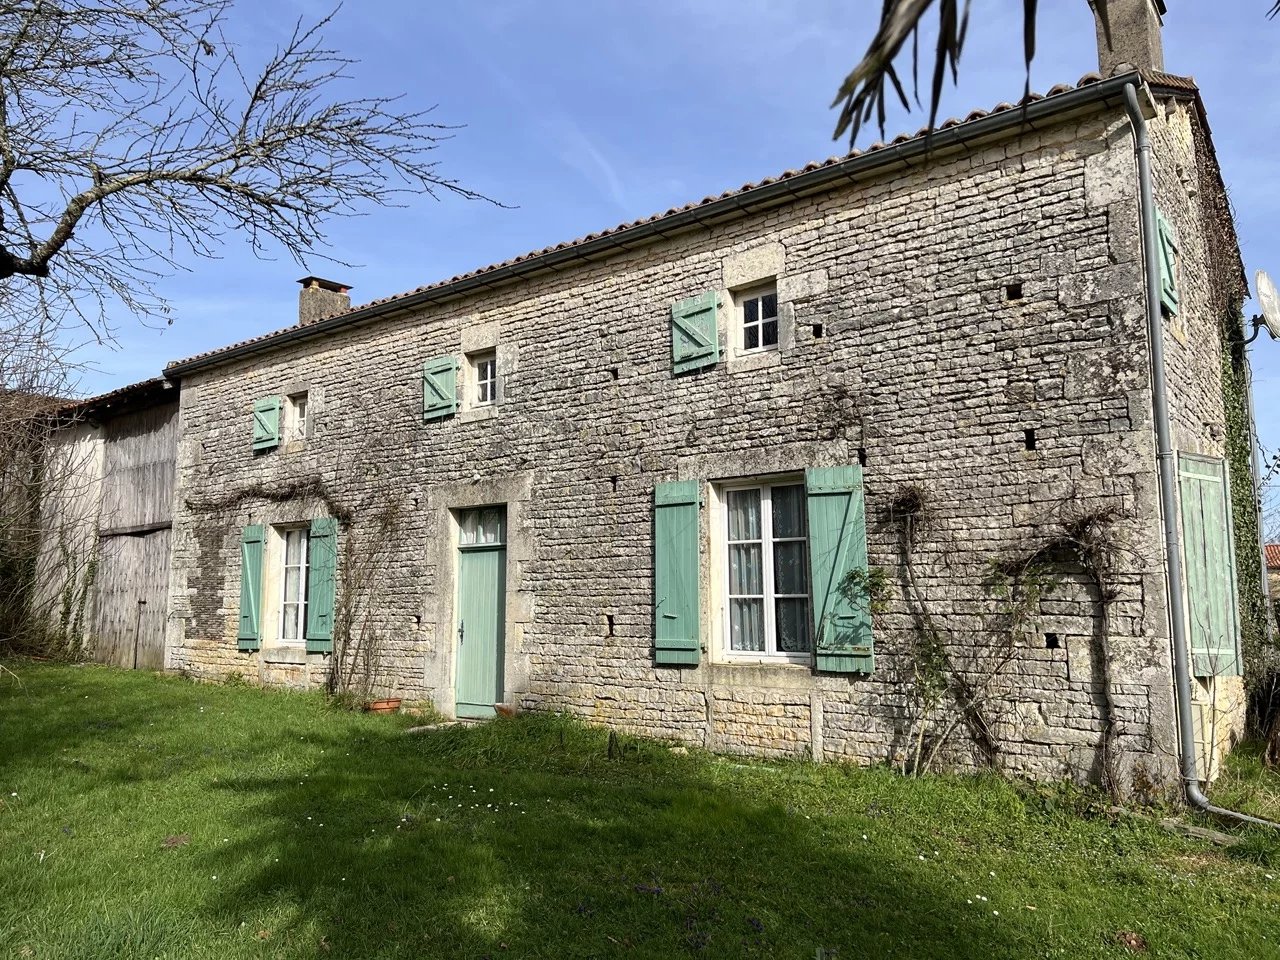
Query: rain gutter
[(907, 154)]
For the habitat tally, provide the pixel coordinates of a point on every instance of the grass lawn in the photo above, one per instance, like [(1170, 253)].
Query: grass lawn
[(144, 816)]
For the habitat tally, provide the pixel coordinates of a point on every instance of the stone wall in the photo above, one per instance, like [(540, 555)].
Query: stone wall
[(1209, 283), (931, 318)]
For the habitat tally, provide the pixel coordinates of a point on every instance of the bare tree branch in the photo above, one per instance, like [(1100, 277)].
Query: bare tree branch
[(133, 135)]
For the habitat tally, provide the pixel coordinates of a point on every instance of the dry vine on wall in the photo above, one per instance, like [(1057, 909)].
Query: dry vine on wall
[(949, 696)]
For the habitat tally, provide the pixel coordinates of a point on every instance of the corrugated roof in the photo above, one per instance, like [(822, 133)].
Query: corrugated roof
[(619, 232)]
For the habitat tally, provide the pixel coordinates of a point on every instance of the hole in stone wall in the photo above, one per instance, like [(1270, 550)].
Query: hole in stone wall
[(862, 456), (1029, 439), (613, 373), (1052, 641), (613, 482), (1013, 291), (608, 624), (817, 331)]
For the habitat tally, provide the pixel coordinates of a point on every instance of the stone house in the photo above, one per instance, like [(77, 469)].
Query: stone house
[(856, 462)]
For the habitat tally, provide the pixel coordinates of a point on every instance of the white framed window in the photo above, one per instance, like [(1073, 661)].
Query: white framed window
[(296, 417), (766, 572), (484, 378), (293, 584), (757, 316)]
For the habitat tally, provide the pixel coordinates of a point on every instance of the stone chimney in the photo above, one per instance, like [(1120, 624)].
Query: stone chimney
[(321, 298), (1128, 34)]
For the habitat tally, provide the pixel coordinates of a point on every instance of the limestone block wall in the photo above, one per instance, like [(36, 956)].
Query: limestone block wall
[(971, 327), (1209, 285)]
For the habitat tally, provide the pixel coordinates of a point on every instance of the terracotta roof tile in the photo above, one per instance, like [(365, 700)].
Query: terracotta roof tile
[(1272, 551), (1086, 80)]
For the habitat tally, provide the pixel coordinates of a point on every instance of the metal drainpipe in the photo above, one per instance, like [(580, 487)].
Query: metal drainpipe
[(1165, 468)]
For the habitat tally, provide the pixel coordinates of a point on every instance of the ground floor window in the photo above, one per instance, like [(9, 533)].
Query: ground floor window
[(293, 580), (767, 573)]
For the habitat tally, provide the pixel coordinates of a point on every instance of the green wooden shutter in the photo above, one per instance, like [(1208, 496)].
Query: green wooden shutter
[(322, 567), (1168, 264), (1210, 567), (837, 545), (695, 342), (676, 639), (249, 636), (266, 423), (439, 387)]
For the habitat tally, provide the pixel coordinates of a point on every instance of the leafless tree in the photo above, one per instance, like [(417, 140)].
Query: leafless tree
[(1270, 496), (134, 137)]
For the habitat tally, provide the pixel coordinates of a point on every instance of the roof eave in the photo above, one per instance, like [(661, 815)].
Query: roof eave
[(906, 154)]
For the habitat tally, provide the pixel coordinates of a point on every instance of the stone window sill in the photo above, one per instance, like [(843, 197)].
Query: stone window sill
[(487, 412), (762, 673), (282, 654), (749, 362)]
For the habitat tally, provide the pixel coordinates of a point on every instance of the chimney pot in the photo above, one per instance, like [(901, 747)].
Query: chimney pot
[(320, 298), (1128, 35)]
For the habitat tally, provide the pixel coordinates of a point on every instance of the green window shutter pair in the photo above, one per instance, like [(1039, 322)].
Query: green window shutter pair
[(266, 423), (1210, 568), (695, 340), (1168, 265), (322, 569), (837, 545), (439, 388)]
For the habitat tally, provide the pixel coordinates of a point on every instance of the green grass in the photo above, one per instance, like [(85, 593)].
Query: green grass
[(1246, 785), (313, 832)]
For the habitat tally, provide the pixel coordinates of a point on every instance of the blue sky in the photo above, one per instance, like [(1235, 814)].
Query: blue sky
[(581, 116)]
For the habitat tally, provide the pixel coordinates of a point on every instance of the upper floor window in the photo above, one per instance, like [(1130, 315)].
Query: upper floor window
[(758, 318), (296, 425), (767, 588), (484, 377)]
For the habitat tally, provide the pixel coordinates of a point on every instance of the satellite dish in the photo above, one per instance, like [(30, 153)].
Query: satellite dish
[(1269, 300)]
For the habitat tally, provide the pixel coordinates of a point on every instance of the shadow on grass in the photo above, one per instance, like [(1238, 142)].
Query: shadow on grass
[(51, 712), (525, 838)]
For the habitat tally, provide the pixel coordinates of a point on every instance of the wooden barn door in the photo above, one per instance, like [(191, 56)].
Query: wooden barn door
[(132, 592)]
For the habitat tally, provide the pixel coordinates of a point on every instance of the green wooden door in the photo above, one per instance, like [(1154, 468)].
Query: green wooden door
[(481, 619)]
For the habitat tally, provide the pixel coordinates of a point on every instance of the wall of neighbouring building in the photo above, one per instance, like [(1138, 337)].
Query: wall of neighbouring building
[(107, 508), (901, 346), (70, 503)]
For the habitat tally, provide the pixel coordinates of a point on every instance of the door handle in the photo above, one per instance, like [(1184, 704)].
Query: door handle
[(462, 626)]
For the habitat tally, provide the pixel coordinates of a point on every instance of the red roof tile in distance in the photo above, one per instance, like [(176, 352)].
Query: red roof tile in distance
[(1087, 80), (1272, 551)]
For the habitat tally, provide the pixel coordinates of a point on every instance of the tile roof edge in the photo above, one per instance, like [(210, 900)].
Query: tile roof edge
[(1060, 98), (156, 389)]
